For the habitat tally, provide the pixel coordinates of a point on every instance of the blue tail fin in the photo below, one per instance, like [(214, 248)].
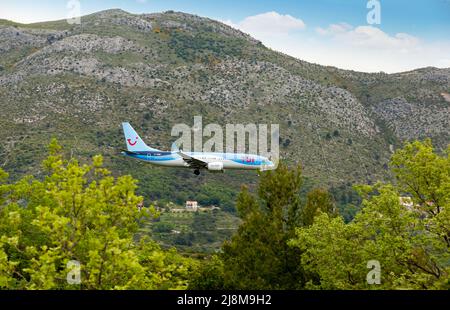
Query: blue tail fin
[(133, 141)]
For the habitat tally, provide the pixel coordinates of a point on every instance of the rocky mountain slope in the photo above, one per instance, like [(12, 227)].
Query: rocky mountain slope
[(79, 82)]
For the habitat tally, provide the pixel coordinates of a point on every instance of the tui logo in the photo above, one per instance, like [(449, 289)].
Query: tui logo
[(132, 143)]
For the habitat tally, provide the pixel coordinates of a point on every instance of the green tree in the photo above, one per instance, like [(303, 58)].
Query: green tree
[(80, 212), (257, 256), (410, 241), (209, 275), (424, 176), (318, 201)]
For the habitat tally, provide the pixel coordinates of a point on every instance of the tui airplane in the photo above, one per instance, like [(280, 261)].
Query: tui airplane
[(213, 162)]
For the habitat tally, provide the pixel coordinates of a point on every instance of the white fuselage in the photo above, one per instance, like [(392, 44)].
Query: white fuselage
[(136, 148), (226, 160)]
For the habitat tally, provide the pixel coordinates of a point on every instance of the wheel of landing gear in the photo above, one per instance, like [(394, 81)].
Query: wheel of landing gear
[(196, 172)]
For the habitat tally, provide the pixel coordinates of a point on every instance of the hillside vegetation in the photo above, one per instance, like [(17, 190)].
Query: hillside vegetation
[(79, 82)]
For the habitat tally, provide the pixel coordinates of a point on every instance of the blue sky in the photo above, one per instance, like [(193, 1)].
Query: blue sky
[(411, 34)]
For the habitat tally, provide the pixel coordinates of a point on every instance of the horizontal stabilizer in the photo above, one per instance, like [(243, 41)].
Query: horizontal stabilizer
[(129, 152)]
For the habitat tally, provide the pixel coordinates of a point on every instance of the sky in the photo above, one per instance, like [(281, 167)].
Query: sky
[(362, 35)]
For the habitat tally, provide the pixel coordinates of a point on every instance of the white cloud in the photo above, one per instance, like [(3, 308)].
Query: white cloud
[(334, 29), (362, 48), (373, 37), (368, 36), (444, 62), (270, 23), (368, 52)]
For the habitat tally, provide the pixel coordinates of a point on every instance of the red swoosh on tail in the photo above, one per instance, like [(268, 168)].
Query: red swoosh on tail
[(132, 143)]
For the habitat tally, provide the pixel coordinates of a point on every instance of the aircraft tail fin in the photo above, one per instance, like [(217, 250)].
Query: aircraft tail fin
[(133, 141)]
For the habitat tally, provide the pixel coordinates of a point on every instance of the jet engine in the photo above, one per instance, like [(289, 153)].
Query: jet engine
[(215, 166)]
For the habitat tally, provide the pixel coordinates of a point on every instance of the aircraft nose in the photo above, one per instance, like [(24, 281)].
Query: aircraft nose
[(267, 165)]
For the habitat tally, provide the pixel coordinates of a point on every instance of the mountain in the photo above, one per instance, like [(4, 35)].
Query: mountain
[(79, 82)]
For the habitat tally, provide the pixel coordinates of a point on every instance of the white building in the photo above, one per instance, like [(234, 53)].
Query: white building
[(191, 206)]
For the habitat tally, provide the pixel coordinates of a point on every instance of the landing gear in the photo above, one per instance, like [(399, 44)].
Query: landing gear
[(197, 172)]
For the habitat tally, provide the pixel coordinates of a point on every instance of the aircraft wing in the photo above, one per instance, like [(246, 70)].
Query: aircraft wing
[(192, 161)]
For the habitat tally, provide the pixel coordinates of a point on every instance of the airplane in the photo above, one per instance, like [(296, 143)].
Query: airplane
[(213, 162)]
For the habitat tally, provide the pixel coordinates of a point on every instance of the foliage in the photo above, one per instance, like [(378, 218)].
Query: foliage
[(80, 212), (318, 201), (209, 276), (347, 200), (411, 241), (258, 256), (200, 232), (216, 194), (162, 227), (204, 46)]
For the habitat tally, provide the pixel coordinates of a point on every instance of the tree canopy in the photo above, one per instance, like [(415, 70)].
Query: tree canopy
[(80, 213), (78, 217), (258, 255), (404, 226)]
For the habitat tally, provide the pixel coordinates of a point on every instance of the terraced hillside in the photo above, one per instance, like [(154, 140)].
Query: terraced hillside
[(79, 82)]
